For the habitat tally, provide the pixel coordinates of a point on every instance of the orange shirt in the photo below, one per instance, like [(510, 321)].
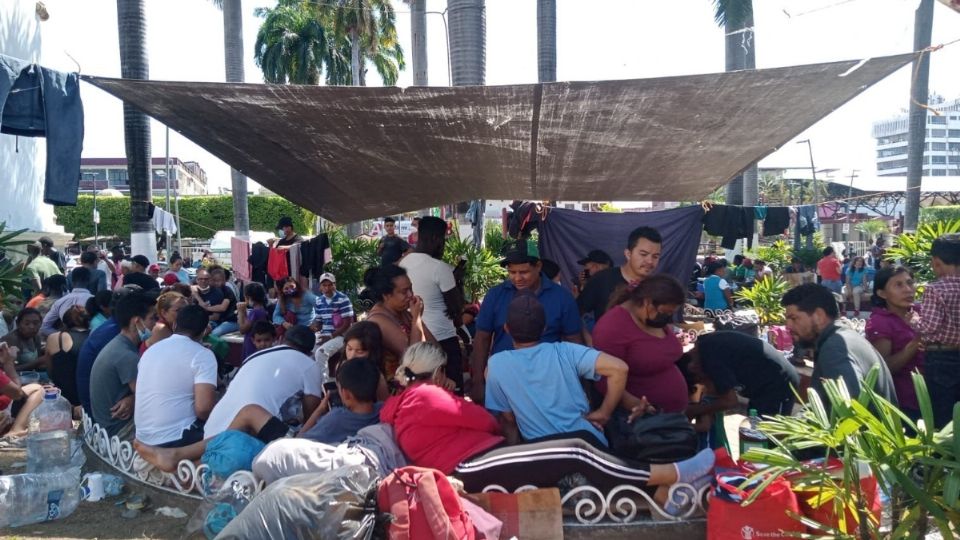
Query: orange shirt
[(829, 268), (35, 301)]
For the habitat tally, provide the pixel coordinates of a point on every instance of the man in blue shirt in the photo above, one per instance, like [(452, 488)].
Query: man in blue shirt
[(534, 388), (95, 343), (334, 310), (562, 317)]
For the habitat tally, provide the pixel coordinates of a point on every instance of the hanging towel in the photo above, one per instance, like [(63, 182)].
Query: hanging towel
[(39, 102), (777, 220), (277, 267), (239, 258), (164, 221), (731, 223)]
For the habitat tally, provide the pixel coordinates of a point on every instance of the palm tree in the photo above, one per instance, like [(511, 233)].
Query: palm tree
[(916, 136), (370, 28), (292, 45), (468, 51), (134, 64), (418, 40), (546, 40), (736, 17), (233, 62)]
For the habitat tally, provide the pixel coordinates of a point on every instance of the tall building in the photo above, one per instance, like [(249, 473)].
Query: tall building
[(111, 173), (941, 154)]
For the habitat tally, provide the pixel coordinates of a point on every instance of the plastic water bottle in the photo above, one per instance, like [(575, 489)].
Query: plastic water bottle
[(35, 498), (50, 435), (750, 434)]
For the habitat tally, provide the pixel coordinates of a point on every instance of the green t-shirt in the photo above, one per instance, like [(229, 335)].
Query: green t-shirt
[(41, 268)]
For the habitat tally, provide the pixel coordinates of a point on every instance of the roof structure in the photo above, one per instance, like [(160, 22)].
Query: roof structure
[(349, 153)]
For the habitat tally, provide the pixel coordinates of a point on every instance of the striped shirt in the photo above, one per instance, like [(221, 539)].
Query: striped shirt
[(330, 311), (940, 311)]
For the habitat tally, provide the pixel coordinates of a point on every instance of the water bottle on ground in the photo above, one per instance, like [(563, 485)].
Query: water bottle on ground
[(50, 434), (750, 434), (35, 498)]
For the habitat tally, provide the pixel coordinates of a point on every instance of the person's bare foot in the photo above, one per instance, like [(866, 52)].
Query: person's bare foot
[(161, 458)]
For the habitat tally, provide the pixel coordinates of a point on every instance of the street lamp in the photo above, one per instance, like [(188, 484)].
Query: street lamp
[(96, 213)]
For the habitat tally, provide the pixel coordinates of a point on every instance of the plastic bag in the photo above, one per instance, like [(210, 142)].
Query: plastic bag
[(338, 504)]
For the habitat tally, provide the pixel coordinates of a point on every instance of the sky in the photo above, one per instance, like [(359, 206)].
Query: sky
[(596, 40)]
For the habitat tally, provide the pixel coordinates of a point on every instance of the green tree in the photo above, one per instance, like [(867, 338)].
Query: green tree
[(736, 18), (292, 45), (233, 62), (368, 27), (134, 64)]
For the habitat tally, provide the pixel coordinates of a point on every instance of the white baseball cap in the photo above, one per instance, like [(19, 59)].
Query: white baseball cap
[(327, 276)]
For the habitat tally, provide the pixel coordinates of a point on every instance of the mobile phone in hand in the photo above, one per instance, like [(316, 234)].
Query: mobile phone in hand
[(331, 389)]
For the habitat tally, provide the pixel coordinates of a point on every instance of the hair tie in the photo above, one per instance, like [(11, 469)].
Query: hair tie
[(633, 285), (409, 374)]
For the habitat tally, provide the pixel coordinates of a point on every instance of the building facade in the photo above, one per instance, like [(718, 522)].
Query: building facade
[(941, 154), (187, 177)]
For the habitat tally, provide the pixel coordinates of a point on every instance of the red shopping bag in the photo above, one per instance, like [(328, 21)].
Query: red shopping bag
[(766, 517), (814, 505)]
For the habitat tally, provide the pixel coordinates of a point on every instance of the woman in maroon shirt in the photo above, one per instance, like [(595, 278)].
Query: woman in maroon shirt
[(637, 331), (436, 428)]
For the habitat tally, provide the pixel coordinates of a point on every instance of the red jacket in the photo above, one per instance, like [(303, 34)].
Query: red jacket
[(438, 429)]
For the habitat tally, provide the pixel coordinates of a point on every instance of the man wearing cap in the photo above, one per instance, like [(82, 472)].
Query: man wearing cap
[(77, 296), (288, 236), (642, 256), (433, 280), (595, 262), (40, 267), (52, 253), (138, 275), (562, 320), (334, 309)]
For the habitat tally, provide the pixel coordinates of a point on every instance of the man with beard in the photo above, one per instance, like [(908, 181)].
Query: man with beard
[(642, 256), (839, 351)]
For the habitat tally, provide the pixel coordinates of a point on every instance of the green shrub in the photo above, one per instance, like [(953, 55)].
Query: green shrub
[(201, 216), (932, 214), (913, 249), (776, 255), (11, 274), (493, 239), (483, 269), (351, 258), (765, 297)]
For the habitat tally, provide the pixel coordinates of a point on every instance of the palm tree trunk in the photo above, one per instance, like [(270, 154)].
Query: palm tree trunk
[(922, 28), (740, 54), (355, 57), (233, 62), (468, 50), (418, 39), (134, 64), (547, 40)]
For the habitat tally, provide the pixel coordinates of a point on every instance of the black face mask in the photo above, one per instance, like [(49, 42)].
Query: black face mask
[(660, 321)]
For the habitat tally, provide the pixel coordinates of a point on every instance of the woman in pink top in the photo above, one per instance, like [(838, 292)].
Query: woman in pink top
[(637, 331), (892, 333)]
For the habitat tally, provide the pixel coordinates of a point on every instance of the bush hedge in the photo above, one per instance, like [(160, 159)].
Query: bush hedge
[(206, 214), (933, 214)]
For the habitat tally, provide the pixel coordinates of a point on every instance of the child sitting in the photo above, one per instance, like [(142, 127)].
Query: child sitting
[(357, 382)]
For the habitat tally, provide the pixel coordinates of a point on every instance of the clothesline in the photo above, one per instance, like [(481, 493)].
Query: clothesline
[(707, 204)]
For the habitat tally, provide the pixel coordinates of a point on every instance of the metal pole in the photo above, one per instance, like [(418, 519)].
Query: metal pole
[(816, 188), (846, 235), (166, 162)]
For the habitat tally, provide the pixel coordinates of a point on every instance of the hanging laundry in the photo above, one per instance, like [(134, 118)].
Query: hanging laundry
[(777, 220), (293, 257), (239, 258), (39, 102), (731, 223), (760, 212), (164, 221), (809, 223), (316, 253), (258, 259), (277, 267)]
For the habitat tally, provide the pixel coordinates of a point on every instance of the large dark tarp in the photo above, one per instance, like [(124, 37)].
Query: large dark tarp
[(350, 153), (568, 235)]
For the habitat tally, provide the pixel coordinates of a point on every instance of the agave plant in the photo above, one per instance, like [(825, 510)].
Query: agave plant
[(913, 249), (11, 273), (919, 473), (765, 297)]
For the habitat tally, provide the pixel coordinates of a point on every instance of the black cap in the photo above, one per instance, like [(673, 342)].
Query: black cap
[(142, 260), (519, 252), (525, 317), (597, 256), (45, 240), (285, 221)]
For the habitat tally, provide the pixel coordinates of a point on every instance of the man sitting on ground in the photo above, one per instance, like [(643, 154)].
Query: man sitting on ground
[(176, 384), (840, 351), (113, 379), (731, 364), (271, 377), (357, 383)]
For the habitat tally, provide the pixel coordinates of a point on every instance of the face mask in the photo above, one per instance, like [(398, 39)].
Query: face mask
[(281, 234), (144, 334), (203, 289), (292, 292), (660, 321)]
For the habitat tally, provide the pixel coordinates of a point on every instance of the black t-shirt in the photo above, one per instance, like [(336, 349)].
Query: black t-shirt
[(393, 249), (230, 315), (213, 296), (289, 242), (144, 281), (598, 291), (748, 364)]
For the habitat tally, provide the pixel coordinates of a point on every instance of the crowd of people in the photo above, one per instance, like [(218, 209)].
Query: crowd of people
[(524, 390)]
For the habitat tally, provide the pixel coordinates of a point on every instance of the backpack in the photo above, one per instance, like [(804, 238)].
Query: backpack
[(424, 506)]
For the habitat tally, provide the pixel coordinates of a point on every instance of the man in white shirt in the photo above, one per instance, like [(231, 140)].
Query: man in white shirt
[(176, 384), (434, 282), (266, 381)]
